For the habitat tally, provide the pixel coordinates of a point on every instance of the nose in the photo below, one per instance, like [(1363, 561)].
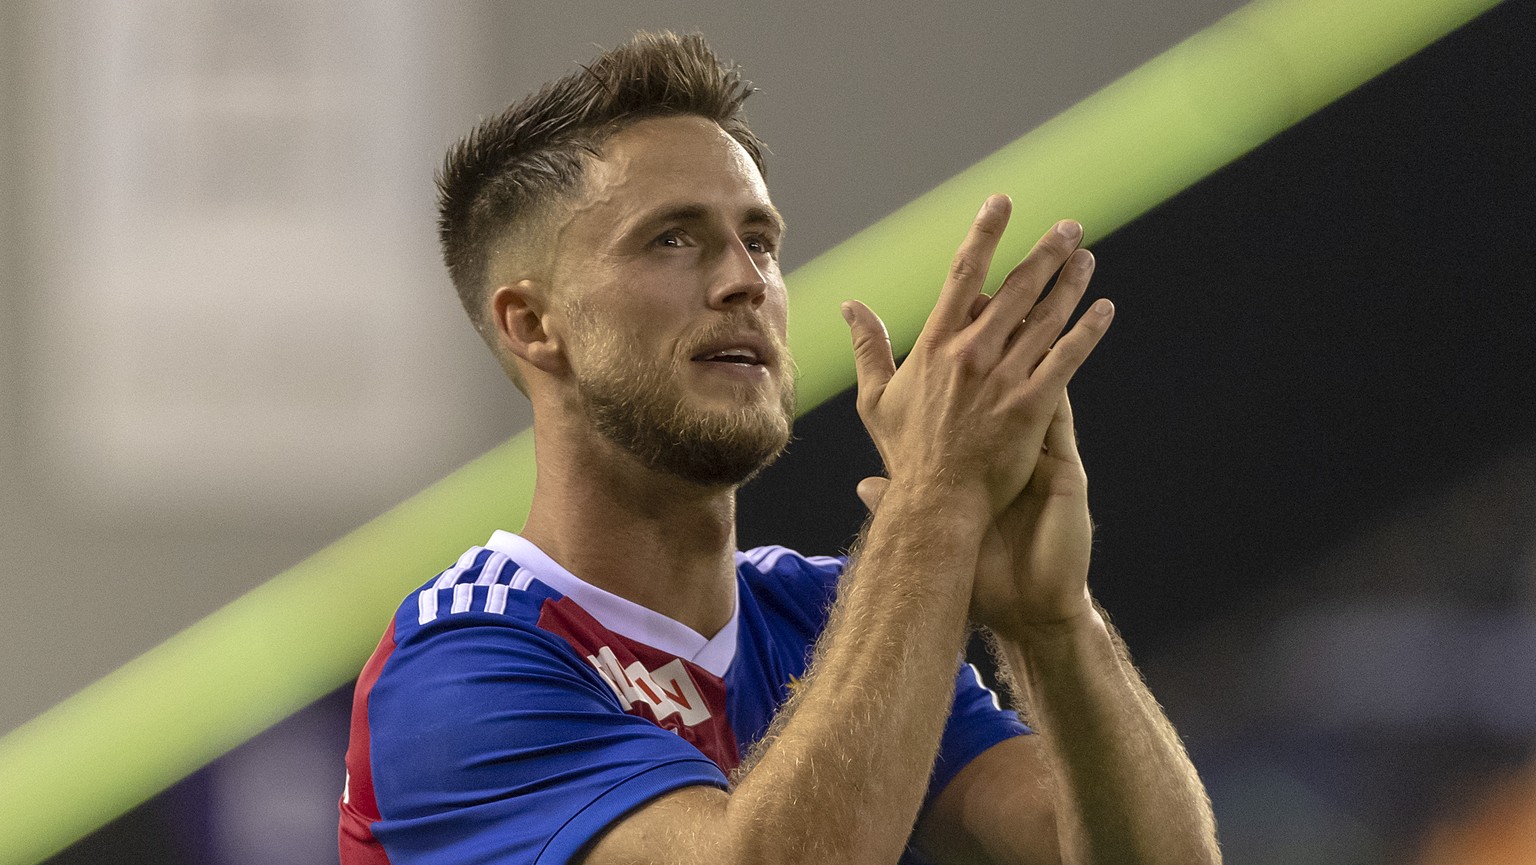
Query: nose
[(739, 280)]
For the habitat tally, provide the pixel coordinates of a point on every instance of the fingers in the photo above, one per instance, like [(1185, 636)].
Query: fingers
[(871, 491), (1069, 352), (1047, 318), (1022, 287), (968, 270), (873, 362)]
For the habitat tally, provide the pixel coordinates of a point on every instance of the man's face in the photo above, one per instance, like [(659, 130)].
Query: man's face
[(668, 276)]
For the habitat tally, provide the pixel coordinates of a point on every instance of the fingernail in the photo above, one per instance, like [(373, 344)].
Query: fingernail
[(1069, 229), (994, 204), (1102, 306), (848, 312)]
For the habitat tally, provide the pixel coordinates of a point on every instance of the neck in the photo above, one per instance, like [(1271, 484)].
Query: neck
[(664, 543)]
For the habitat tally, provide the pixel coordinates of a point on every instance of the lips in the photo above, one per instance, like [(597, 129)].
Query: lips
[(743, 350), (732, 355)]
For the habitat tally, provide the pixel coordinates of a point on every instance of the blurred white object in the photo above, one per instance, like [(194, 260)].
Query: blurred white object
[(239, 250)]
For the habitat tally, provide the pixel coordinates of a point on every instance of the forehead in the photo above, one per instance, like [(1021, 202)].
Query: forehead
[(664, 161)]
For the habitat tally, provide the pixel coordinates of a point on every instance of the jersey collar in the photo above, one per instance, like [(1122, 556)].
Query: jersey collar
[(623, 616)]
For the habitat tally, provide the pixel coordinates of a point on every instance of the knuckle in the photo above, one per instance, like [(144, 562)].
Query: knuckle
[(928, 341), (965, 355), (865, 403), (965, 267), (1032, 409), (1017, 292), (986, 227), (1058, 246), (1051, 316), (1065, 363), (869, 347)]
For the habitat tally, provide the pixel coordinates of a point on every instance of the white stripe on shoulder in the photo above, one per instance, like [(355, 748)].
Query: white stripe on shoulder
[(463, 593), (452, 575), (490, 573), (522, 579), (426, 599), (766, 557), (496, 599), (769, 553), (426, 606), (498, 575)]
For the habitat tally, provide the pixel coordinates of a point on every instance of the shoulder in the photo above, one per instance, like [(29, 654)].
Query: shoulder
[(800, 585), (484, 587), (484, 734), (485, 612), (483, 648), (785, 562)]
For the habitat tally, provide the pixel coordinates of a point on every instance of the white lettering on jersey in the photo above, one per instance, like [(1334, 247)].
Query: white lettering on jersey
[(668, 690)]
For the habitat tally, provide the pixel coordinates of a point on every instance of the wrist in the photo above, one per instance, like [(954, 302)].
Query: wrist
[(941, 498), (928, 534), (1066, 630)]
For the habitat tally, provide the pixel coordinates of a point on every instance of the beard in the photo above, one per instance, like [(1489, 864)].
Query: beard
[(638, 405)]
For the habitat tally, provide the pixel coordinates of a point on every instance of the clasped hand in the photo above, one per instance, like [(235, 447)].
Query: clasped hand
[(978, 415)]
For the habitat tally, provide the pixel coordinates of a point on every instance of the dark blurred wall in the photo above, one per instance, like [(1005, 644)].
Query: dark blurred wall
[(1343, 320), (1311, 435)]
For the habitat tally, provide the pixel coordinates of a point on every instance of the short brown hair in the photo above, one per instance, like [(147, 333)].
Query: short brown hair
[(511, 167)]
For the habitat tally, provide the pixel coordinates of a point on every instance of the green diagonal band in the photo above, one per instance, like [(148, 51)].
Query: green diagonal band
[(1110, 158)]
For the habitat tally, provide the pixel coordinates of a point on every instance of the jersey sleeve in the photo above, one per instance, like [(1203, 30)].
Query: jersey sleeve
[(493, 743), (977, 721)]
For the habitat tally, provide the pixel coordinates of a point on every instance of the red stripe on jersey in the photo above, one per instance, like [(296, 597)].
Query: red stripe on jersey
[(359, 808), (669, 691)]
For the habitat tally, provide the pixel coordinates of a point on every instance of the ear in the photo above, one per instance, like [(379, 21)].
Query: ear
[(520, 314)]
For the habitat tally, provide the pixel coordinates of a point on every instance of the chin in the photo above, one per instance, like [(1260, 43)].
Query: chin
[(715, 438), (728, 449)]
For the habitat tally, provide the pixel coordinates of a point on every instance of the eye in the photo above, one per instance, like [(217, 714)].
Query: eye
[(672, 238), (759, 243)]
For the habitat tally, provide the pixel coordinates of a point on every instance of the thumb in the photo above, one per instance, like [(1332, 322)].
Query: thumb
[(871, 490), (872, 359)]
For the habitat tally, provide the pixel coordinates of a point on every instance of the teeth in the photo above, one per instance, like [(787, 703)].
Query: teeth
[(742, 353)]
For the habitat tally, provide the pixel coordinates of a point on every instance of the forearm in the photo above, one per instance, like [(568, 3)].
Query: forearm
[(841, 775), (1126, 791)]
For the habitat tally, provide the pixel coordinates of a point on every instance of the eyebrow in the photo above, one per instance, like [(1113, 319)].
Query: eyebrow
[(768, 216)]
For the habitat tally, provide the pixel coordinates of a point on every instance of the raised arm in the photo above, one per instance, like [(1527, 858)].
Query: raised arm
[(1125, 791), (1107, 780), (842, 773)]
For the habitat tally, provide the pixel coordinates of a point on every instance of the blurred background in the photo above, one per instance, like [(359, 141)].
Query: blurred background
[(226, 340)]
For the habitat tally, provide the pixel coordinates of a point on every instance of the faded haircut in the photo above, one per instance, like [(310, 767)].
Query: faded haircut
[(504, 176)]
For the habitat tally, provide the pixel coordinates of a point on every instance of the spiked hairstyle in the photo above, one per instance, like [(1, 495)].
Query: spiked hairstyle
[(506, 173)]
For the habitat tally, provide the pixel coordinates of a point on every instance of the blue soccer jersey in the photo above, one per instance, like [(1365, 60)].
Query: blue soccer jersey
[(512, 712)]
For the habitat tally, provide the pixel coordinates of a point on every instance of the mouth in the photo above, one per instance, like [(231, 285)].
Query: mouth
[(741, 351)]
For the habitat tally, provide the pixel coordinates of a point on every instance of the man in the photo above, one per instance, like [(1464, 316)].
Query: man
[(604, 687)]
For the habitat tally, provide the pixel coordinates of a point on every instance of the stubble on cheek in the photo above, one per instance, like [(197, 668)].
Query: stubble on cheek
[(639, 404)]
